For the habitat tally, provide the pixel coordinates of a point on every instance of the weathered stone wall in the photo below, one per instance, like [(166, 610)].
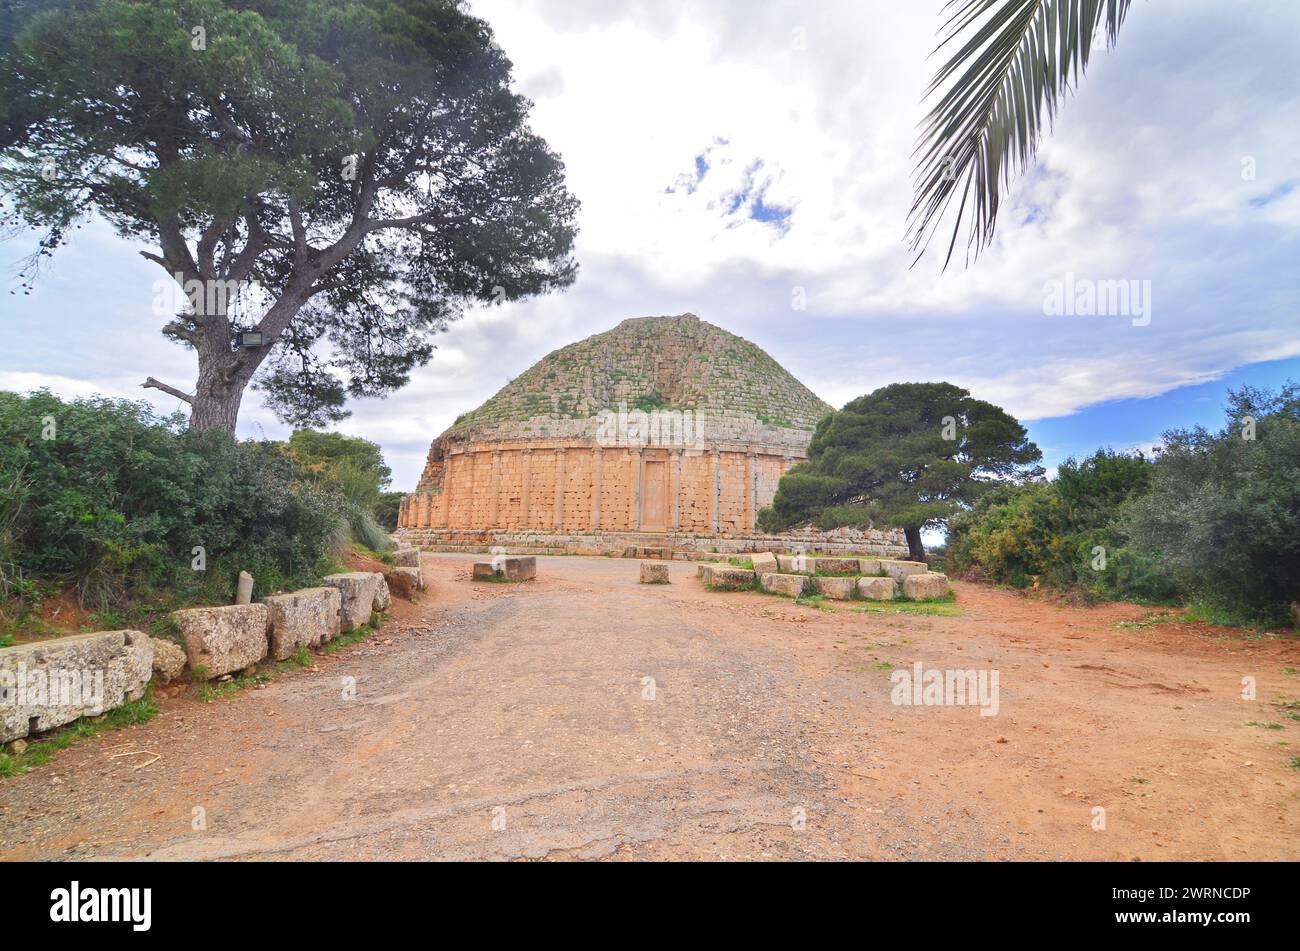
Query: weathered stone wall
[(683, 545), (568, 486)]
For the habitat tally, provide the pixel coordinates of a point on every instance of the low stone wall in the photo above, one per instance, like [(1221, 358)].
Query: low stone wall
[(838, 579), (681, 546), (307, 618), (55, 682), (52, 683)]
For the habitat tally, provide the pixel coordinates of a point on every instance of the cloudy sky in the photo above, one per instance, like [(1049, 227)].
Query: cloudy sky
[(734, 157)]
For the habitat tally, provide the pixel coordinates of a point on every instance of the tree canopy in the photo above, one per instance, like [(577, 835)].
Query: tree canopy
[(908, 456), (339, 176)]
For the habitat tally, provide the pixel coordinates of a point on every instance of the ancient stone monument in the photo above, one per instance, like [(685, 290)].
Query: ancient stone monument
[(663, 425)]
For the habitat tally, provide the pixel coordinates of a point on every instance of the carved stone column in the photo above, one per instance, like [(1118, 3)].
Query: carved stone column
[(494, 510), (528, 485), (559, 488), (677, 490), (751, 480), (638, 475), (715, 497), (598, 454)]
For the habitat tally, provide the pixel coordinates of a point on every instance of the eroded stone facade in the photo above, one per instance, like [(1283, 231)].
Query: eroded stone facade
[(663, 424)]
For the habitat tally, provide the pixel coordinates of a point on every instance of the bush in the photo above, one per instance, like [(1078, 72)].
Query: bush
[(1056, 531), (1214, 520), (1224, 508), (105, 495)]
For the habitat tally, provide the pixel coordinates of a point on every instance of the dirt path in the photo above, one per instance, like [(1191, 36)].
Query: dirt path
[(503, 722)]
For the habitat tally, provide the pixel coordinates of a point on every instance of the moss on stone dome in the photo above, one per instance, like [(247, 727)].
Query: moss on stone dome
[(648, 363)]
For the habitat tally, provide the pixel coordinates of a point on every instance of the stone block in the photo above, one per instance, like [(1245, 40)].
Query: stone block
[(922, 587), (404, 582), (844, 567), (168, 659), (727, 578), (837, 589), (509, 569), (54, 682), (765, 562), (223, 640), (789, 585), (877, 589), (898, 570), (407, 558), (653, 572), (794, 564), (704, 571), (383, 597), (358, 590), (306, 618), (869, 566)]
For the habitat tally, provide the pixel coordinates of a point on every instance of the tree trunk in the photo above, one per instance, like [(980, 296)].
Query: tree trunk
[(915, 550), (219, 393)]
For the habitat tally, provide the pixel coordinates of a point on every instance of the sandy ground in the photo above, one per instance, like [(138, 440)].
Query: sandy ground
[(498, 721)]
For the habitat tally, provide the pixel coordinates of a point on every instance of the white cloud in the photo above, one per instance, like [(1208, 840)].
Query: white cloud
[(1141, 178)]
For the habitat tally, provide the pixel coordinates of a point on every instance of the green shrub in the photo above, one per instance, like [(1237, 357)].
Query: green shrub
[(118, 501), (1224, 508)]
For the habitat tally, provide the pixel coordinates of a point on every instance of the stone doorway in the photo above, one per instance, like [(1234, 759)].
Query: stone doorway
[(654, 497)]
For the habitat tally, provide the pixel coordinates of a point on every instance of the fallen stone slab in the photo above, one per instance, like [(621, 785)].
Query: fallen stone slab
[(790, 585), (898, 570), (923, 587), (654, 572), (507, 568), (877, 588), (168, 659), (383, 597), (225, 639), (837, 589), (358, 590), (57, 681), (837, 566), (765, 562), (728, 578), (704, 571), (794, 564), (404, 582), (306, 618), (407, 558)]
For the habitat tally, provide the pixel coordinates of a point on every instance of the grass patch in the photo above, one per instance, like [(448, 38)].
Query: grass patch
[(209, 692), (1139, 780), (1295, 762), (38, 752), (939, 607), (1150, 621), (817, 601), (347, 640), (1264, 726)]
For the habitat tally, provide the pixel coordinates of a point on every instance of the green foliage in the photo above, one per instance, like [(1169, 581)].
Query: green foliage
[(1053, 532), (387, 509), (364, 163), (1213, 521), (909, 455), (1224, 509), (354, 468), (118, 499)]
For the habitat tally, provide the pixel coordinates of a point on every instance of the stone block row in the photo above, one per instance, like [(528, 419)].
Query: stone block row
[(54, 682)]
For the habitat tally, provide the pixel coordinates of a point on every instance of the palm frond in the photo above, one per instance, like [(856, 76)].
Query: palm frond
[(1015, 60)]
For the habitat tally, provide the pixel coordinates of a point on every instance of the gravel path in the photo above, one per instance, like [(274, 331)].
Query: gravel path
[(586, 716)]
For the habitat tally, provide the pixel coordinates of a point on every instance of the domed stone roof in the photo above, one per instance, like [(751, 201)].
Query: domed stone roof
[(652, 363)]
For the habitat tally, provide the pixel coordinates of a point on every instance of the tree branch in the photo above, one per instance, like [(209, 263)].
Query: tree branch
[(150, 382)]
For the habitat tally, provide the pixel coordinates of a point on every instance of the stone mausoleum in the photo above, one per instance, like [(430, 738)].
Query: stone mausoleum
[(664, 433)]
